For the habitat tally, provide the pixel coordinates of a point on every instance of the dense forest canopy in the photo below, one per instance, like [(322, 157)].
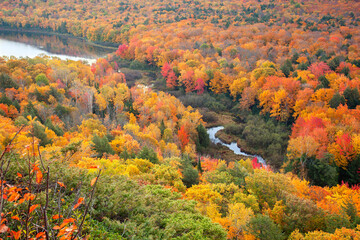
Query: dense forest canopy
[(286, 74)]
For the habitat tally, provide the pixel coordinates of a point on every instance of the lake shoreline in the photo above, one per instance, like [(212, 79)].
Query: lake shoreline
[(111, 46)]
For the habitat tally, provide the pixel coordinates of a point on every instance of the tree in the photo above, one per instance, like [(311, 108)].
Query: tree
[(239, 216), (352, 97), (336, 100), (149, 154), (41, 79), (287, 68), (262, 227), (183, 137), (189, 173), (101, 145), (203, 140)]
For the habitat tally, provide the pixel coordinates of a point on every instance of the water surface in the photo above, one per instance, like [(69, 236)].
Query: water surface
[(20, 44), (232, 146)]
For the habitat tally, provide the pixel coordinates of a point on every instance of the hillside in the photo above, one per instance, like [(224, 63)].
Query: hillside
[(118, 149)]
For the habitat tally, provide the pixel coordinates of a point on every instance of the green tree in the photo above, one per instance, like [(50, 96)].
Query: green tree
[(336, 100), (101, 145), (203, 140), (287, 68), (262, 227), (149, 154), (352, 97), (41, 79), (190, 174)]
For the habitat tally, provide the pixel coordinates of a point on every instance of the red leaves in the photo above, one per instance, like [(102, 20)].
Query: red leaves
[(256, 164), (166, 70), (319, 69), (122, 50), (168, 73), (200, 84)]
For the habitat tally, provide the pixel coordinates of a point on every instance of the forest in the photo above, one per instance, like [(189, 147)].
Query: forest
[(100, 152)]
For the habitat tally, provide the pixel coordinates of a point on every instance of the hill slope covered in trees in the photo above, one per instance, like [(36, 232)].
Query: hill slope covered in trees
[(288, 72)]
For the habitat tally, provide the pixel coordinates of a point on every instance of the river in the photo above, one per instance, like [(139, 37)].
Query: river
[(232, 146), (20, 44)]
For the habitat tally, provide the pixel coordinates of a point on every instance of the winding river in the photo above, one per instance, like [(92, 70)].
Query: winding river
[(232, 146)]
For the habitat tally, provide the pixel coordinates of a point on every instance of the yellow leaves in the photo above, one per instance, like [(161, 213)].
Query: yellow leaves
[(132, 170), (302, 145), (125, 142), (278, 212), (239, 216), (323, 95), (237, 86), (92, 126), (203, 194)]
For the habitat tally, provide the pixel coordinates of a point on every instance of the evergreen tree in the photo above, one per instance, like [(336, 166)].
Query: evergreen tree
[(203, 140), (149, 154), (336, 100), (101, 145), (262, 227), (190, 174), (352, 97), (200, 170)]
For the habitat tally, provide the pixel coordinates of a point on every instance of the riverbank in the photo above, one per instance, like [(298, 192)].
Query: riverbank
[(233, 146), (111, 46)]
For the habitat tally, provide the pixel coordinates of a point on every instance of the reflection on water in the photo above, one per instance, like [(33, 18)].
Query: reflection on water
[(232, 146), (32, 44)]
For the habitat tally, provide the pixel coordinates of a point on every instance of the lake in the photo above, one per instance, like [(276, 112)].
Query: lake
[(23, 44)]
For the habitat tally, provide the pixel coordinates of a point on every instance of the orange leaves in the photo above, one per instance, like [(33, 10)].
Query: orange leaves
[(40, 235), (61, 184), (15, 218), (33, 207), (80, 200), (3, 228), (39, 177), (183, 137), (93, 181), (17, 234), (57, 216), (65, 231), (64, 223)]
